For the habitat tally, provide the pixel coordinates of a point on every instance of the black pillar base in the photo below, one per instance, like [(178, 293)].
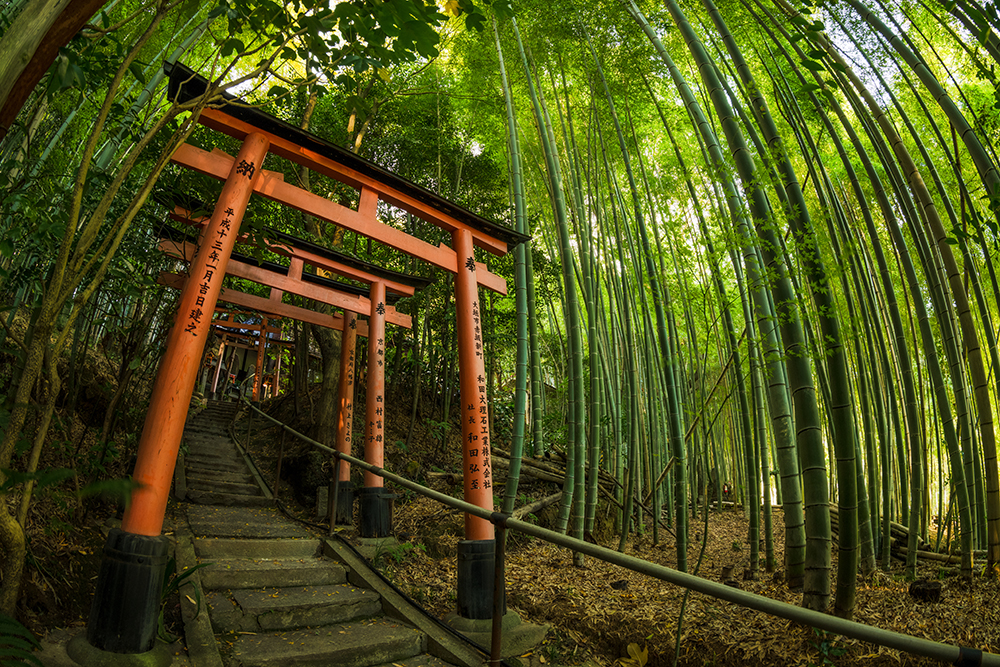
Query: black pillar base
[(476, 567), (127, 600), (376, 511), (345, 503)]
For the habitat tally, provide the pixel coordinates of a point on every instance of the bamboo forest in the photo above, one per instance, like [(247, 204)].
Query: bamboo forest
[(734, 355)]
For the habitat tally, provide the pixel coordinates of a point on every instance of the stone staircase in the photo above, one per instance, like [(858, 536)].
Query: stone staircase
[(215, 470), (276, 593)]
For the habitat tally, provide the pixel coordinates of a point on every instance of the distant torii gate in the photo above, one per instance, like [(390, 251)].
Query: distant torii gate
[(123, 616), (376, 515), (229, 337)]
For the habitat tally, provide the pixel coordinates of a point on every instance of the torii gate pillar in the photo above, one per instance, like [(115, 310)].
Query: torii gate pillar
[(218, 369), (258, 380), (126, 603), (375, 503), (476, 551), (345, 418)]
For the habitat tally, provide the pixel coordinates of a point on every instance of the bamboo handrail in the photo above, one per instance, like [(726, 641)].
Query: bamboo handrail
[(948, 653)]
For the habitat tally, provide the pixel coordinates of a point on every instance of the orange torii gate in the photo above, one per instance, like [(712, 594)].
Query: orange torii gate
[(376, 515), (230, 330), (124, 612)]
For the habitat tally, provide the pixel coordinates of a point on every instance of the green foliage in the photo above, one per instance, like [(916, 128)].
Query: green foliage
[(42, 478), (636, 657), (172, 582), (826, 644), (17, 644), (116, 490)]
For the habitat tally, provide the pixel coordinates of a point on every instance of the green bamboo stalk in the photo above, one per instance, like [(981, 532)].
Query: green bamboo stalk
[(842, 415), (818, 561), (991, 179), (781, 413), (575, 430), (520, 292), (660, 298)]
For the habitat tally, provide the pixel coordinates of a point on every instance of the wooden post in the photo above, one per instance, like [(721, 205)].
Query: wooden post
[(258, 379), (218, 366), (476, 467), (345, 415), (374, 405), (168, 407), (129, 584), (476, 552), (376, 505), (277, 363), (342, 500)]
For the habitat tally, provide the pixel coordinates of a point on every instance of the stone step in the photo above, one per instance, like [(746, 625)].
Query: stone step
[(203, 440), (216, 465), (212, 453), (207, 445), (243, 522), (216, 411), (231, 476), (208, 484), (214, 427), (351, 645), (425, 660), (206, 433), (208, 440), (210, 444), (196, 473), (206, 428), (227, 499), (290, 608), (216, 548), (236, 573)]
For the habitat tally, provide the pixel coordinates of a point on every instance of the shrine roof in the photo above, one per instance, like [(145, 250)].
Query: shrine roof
[(186, 85)]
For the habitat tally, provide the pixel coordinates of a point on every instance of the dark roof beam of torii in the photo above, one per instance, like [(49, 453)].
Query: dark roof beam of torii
[(268, 306), (265, 275), (245, 332), (250, 342), (225, 318), (272, 185), (239, 119), (331, 261), (238, 327)]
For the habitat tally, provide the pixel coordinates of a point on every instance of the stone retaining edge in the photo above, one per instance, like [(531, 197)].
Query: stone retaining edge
[(203, 650), (440, 643)]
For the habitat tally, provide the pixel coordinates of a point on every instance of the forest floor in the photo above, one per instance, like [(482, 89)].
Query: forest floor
[(595, 611), (598, 610)]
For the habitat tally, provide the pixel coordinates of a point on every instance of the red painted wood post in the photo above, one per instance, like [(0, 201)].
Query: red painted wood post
[(168, 406), (218, 366), (476, 551), (258, 379), (127, 598), (277, 366), (345, 418), (375, 395), (376, 512), (345, 415), (476, 464)]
